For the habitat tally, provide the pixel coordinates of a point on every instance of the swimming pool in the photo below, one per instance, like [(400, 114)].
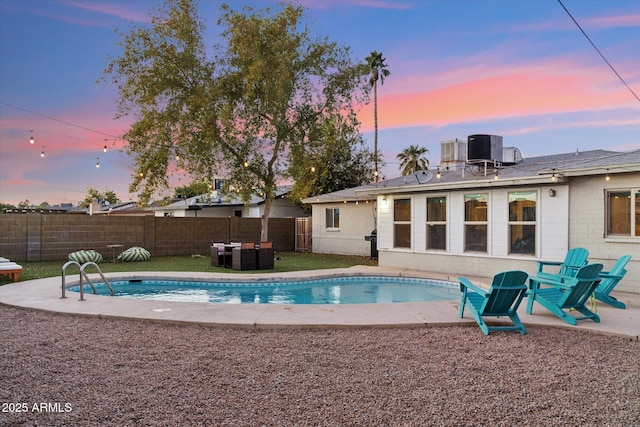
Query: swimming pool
[(334, 290)]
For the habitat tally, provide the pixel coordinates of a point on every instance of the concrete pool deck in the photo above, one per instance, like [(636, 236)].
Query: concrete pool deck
[(44, 294)]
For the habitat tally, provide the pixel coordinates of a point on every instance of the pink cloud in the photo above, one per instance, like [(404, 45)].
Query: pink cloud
[(482, 92), (372, 4), (117, 10), (618, 21)]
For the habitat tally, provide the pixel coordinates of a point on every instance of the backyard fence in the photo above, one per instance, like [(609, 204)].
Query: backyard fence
[(44, 237)]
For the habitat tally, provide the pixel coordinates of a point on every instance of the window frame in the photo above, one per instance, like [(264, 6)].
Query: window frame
[(523, 222), (402, 223), (469, 223), (335, 213), (436, 222), (633, 211)]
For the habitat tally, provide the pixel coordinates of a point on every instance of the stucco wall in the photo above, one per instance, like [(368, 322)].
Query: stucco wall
[(356, 221), (551, 234)]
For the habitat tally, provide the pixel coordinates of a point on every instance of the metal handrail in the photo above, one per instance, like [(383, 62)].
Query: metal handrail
[(64, 269), (84, 275)]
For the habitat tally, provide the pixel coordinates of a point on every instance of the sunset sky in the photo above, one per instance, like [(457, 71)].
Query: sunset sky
[(521, 69)]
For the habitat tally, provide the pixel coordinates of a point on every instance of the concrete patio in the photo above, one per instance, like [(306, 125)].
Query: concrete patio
[(44, 294)]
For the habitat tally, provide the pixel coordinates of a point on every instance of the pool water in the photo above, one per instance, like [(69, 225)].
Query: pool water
[(338, 290)]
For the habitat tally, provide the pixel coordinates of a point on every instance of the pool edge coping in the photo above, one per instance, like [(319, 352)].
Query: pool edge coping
[(44, 295)]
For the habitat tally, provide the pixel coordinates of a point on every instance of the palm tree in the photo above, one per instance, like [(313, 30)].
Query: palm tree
[(378, 70), (412, 159)]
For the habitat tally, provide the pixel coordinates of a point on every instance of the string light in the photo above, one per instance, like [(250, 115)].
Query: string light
[(31, 140), (495, 177), (607, 177), (313, 169), (438, 174), (97, 162), (246, 164), (554, 178), (42, 154)]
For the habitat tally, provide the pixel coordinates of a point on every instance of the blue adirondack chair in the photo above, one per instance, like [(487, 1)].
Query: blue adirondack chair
[(575, 258), (566, 292), (610, 280), (501, 300)]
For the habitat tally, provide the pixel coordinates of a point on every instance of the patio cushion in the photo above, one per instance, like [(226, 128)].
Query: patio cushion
[(85, 256), (134, 254), (10, 266)]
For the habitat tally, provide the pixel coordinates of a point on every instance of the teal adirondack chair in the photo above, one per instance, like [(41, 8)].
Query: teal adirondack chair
[(565, 293), (501, 300), (575, 258), (610, 280)]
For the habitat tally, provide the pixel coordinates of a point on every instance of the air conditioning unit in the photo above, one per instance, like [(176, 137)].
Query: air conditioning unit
[(484, 148), (453, 154), (511, 155)]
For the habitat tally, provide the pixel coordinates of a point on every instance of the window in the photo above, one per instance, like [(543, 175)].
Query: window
[(437, 223), (475, 222), (402, 223), (623, 213), (333, 218), (522, 222)]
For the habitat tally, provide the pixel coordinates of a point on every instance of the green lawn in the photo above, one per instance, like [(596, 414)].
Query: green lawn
[(285, 261)]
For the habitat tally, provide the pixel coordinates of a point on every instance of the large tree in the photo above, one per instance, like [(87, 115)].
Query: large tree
[(412, 159), (94, 195), (378, 71), (238, 113), (334, 158)]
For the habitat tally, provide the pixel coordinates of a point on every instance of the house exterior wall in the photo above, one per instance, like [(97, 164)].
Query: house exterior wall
[(551, 239), (587, 228), (356, 221), (574, 216)]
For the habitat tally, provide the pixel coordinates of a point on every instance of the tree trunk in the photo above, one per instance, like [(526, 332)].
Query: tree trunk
[(264, 231), (375, 126)]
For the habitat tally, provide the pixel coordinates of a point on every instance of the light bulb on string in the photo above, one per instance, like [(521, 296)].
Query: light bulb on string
[(42, 154), (97, 162), (31, 140)]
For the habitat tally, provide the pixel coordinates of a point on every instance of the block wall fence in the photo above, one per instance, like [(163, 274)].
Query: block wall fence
[(50, 237)]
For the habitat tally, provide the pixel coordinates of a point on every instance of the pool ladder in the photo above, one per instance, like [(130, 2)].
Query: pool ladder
[(83, 274)]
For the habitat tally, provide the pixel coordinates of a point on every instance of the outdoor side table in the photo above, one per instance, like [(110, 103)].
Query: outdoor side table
[(116, 250)]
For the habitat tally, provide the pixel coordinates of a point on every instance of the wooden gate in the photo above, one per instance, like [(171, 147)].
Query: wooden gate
[(303, 234)]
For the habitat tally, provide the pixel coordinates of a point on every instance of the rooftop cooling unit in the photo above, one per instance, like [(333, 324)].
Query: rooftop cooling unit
[(453, 151), (511, 155), (484, 148)]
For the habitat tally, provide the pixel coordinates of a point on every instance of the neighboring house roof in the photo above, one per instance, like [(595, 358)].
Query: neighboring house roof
[(216, 198), (529, 171)]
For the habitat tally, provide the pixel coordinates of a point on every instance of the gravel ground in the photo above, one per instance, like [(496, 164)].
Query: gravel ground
[(104, 372)]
